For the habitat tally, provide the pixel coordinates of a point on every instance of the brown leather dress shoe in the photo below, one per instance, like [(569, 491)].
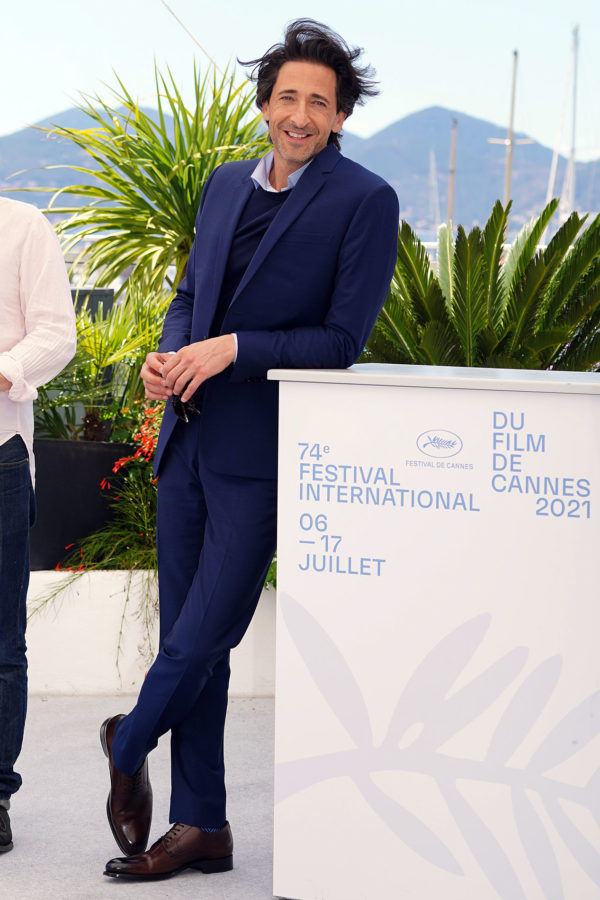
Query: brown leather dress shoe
[(129, 804), (183, 847)]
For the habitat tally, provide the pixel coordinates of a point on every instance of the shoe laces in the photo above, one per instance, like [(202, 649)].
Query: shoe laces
[(174, 832), (137, 781)]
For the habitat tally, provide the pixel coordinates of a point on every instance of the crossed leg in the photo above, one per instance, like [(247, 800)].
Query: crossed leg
[(216, 537)]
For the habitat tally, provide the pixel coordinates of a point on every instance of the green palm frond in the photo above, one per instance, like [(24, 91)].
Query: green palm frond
[(488, 342), (414, 277), (397, 325), (549, 339), (503, 361), (582, 352), (581, 308), (583, 355), (148, 172), (445, 257), (469, 309), (570, 276), (523, 300), (539, 308), (494, 237), (440, 346), (530, 290), (104, 374), (524, 246)]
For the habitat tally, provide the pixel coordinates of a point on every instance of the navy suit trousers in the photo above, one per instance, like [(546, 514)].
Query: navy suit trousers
[(216, 539)]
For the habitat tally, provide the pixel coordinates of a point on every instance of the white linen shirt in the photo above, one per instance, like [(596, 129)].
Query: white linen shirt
[(37, 321)]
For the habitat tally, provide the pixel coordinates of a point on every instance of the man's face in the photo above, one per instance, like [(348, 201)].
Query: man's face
[(301, 113)]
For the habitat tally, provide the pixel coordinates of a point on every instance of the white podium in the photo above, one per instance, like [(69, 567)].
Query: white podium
[(438, 667)]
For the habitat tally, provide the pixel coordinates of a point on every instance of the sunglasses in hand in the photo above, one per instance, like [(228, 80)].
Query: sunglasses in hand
[(184, 410)]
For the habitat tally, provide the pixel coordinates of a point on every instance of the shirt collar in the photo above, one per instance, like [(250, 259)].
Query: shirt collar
[(260, 175)]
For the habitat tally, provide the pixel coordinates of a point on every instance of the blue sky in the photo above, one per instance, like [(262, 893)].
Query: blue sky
[(452, 53)]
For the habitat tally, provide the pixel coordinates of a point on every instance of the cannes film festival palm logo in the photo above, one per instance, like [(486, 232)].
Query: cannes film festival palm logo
[(552, 806), (439, 443)]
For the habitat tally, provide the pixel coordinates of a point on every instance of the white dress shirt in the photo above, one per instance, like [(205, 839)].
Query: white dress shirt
[(260, 175), (37, 321)]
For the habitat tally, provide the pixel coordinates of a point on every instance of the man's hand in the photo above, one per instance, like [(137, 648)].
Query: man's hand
[(5, 384), (184, 371), (152, 376)]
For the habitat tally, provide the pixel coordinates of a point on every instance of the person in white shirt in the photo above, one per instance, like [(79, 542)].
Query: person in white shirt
[(37, 339)]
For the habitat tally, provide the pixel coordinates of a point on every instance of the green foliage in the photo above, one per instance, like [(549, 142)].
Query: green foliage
[(139, 211), (128, 541), (148, 174), (490, 305), (86, 400)]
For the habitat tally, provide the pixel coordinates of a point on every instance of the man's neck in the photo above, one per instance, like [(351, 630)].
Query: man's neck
[(279, 174)]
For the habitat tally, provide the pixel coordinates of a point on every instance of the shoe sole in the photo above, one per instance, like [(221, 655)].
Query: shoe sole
[(4, 848), (207, 866), (128, 850)]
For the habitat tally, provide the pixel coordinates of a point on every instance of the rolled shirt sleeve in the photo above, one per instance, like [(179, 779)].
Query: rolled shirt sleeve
[(43, 329)]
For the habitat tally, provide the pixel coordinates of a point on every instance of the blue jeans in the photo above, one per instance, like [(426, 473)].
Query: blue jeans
[(17, 512)]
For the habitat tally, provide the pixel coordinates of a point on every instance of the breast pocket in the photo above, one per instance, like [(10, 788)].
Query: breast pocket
[(317, 238)]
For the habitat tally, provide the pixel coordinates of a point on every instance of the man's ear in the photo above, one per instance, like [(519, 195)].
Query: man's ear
[(338, 122)]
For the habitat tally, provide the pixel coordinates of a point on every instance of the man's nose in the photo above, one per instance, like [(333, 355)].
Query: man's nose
[(300, 114)]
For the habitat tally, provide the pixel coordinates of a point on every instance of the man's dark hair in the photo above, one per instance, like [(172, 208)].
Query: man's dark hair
[(308, 41)]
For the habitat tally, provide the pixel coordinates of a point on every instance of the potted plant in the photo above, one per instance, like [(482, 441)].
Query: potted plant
[(521, 306), (86, 419)]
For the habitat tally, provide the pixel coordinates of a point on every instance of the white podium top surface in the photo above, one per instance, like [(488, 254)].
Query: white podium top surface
[(387, 375)]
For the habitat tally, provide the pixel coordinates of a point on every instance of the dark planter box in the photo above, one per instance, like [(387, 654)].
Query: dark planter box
[(95, 297), (70, 502)]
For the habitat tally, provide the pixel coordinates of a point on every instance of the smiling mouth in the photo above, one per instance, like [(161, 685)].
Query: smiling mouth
[(297, 135)]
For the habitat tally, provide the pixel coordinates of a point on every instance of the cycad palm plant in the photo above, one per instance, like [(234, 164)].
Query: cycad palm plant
[(521, 306), (147, 173)]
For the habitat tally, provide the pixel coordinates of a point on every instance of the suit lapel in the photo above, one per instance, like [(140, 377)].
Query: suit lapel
[(309, 185), (231, 209)]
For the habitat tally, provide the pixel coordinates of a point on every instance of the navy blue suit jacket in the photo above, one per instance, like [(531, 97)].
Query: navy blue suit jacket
[(308, 299)]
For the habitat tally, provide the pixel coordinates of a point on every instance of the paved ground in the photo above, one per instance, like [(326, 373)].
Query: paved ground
[(61, 835)]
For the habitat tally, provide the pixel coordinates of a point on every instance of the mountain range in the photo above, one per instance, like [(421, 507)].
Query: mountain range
[(412, 154)]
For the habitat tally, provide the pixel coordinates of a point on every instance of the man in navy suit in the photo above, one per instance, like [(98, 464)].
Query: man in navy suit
[(290, 266)]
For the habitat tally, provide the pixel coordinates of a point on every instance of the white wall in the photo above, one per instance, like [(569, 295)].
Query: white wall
[(73, 643)]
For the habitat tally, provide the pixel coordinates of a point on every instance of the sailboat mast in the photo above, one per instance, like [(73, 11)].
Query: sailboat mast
[(511, 132), (567, 199), (573, 124), (452, 171)]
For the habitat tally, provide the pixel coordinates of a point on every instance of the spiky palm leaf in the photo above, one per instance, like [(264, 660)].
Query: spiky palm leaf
[(493, 238), (445, 259), (582, 353), (148, 174), (105, 371), (398, 327), (537, 308), (414, 278), (529, 291), (524, 246), (469, 309), (570, 277), (440, 346)]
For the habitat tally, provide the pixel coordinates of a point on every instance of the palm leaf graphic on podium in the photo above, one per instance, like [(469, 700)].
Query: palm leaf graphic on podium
[(439, 443), (428, 714)]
